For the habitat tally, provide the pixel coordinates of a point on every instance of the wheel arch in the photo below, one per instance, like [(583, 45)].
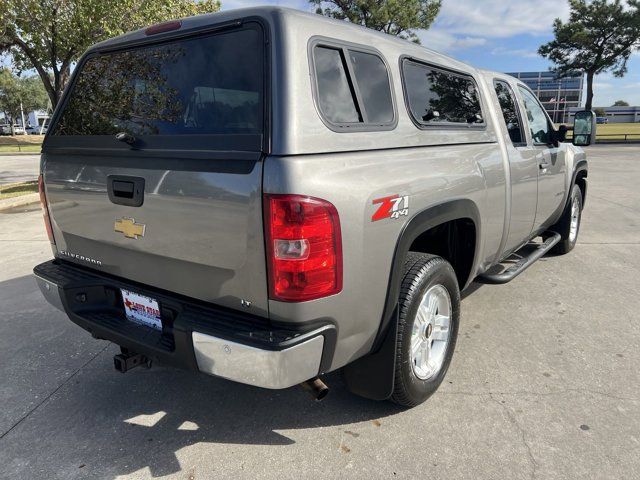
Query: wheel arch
[(580, 174), (420, 223), (372, 376), (578, 177)]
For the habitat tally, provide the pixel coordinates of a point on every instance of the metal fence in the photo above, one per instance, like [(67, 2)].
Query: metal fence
[(612, 137), (617, 137)]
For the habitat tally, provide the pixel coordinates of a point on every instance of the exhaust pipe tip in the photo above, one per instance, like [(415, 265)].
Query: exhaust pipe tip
[(316, 388)]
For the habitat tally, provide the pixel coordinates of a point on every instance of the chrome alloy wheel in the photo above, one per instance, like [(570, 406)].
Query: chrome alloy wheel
[(575, 219), (431, 332)]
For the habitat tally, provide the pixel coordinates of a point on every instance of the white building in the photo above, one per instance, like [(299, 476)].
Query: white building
[(36, 117), (33, 118), (615, 114)]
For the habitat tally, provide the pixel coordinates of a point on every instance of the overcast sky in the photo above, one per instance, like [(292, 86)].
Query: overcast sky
[(500, 35)]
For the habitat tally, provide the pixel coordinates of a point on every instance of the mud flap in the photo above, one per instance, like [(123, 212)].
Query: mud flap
[(372, 376)]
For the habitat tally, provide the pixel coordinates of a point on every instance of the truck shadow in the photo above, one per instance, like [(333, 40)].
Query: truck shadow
[(154, 414), (104, 424)]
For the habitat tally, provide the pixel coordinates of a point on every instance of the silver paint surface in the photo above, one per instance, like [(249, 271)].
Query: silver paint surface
[(206, 240)]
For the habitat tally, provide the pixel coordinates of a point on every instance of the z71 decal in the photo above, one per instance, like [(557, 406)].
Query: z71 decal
[(393, 206)]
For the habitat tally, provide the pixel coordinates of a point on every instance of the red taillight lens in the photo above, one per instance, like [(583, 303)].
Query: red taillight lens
[(45, 209), (304, 247)]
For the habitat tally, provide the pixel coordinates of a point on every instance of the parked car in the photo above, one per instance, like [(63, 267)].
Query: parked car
[(36, 130), (602, 120), (318, 206), (6, 130)]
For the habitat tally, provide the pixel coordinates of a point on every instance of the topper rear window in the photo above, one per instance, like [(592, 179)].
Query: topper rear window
[(204, 85)]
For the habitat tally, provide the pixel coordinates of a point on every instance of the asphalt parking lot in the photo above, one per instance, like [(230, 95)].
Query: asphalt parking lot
[(18, 168), (544, 382)]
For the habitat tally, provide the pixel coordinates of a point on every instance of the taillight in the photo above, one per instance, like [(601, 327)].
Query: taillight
[(304, 247), (45, 209)]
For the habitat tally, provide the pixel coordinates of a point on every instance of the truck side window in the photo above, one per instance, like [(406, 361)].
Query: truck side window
[(373, 81), (510, 112), (538, 120), (353, 88), (440, 97), (335, 93)]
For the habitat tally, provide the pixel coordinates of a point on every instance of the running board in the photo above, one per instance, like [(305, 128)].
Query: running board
[(525, 262)]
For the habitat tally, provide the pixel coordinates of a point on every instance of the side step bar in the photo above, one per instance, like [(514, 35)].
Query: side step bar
[(525, 262)]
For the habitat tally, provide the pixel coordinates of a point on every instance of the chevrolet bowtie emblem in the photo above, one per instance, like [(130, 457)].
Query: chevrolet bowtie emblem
[(129, 227)]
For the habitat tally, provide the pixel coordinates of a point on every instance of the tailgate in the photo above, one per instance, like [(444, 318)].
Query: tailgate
[(153, 168)]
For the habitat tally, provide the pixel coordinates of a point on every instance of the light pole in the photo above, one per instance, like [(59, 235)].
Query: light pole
[(22, 116)]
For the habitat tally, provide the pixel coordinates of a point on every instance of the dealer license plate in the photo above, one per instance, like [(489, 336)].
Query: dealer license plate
[(141, 309)]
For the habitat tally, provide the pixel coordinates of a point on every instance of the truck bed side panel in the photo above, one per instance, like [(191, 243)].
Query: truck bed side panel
[(352, 181)]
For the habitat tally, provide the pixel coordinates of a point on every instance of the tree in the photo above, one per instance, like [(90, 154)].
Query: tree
[(600, 112), (599, 36), (620, 103), (50, 35), (20, 94), (100, 98), (395, 17)]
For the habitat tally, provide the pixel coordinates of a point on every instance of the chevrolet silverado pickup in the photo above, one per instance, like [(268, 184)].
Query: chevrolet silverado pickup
[(267, 195)]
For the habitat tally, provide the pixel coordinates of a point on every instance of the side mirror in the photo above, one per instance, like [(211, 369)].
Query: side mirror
[(559, 135), (584, 128)]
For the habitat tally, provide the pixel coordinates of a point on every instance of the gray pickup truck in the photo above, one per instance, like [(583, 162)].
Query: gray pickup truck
[(267, 195)]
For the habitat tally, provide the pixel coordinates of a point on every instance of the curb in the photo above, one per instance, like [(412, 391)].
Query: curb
[(12, 154), (21, 201)]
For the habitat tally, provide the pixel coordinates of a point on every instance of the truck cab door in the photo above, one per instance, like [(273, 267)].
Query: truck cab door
[(550, 159), (523, 167)]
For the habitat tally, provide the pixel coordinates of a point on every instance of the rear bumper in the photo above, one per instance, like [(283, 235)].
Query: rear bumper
[(195, 335)]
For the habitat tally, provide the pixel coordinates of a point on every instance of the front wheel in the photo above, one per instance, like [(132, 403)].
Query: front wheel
[(429, 313), (569, 225)]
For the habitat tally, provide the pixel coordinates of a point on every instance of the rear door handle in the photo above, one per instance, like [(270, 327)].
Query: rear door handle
[(125, 190)]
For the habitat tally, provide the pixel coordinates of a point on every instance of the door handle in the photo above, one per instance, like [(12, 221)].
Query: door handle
[(125, 190), (544, 165)]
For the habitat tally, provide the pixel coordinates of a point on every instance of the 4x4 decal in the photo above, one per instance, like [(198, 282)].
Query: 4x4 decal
[(393, 206)]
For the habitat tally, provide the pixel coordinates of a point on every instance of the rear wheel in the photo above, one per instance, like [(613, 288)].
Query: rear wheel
[(429, 312), (569, 225)]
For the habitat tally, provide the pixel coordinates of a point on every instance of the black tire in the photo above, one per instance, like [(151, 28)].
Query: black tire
[(563, 227), (421, 272)]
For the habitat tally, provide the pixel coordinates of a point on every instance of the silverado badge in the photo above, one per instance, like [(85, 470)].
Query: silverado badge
[(129, 227)]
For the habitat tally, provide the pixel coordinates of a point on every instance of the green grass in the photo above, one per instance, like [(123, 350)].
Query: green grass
[(20, 148), (16, 189), (616, 131)]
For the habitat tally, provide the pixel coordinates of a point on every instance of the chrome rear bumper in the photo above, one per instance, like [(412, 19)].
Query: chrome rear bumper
[(255, 366), (50, 292), (212, 340)]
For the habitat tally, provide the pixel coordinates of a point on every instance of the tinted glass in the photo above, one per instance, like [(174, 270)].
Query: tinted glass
[(536, 116), (334, 92), (509, 112), (373, 83), (203, 85), (436, 96)]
